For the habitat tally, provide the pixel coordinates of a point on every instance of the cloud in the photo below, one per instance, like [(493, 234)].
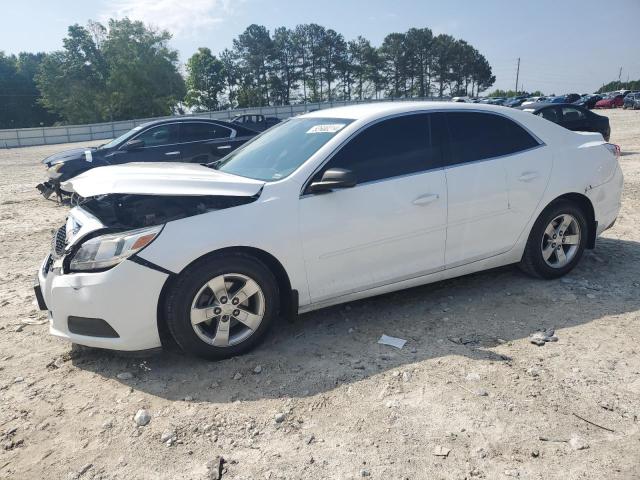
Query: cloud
[(180, 17)]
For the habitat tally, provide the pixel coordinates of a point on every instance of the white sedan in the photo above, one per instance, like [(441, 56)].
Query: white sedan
[(329, 207)]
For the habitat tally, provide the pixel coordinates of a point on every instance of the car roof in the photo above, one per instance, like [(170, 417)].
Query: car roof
[(186, 119), (369, 111)]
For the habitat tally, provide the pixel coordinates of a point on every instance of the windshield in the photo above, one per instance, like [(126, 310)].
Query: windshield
[(282, 149), (121, 138)]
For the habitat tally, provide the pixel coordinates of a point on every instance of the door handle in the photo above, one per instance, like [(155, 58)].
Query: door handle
[(173, 153), (224, 147), (528, 176), (426, 199)]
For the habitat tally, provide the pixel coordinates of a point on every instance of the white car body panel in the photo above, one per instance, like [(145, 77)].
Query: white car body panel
[(401, 223), (160, 179), (347, 244)]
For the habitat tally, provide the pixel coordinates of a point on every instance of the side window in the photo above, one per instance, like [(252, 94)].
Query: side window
[(478, 136), (550, 114), (160, 135), (571, 114), (198, 131), (398, 146)]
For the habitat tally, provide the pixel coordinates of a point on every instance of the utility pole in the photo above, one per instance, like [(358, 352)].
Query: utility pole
[(620, 74), (517, 75)]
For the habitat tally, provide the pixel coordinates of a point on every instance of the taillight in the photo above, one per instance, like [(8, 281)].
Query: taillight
[(614, 149)]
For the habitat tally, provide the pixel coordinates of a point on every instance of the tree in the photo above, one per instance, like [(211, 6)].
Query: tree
[(394, 55), (121, 72), (73, 81), (205, 81), (253, 49), (420, 47), (284, 69), (19, 95)]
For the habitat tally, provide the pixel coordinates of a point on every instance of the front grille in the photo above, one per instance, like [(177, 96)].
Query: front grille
[(58, 242)]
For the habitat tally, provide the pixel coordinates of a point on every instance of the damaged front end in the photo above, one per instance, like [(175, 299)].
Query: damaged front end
[(128, 211), (104, 230)]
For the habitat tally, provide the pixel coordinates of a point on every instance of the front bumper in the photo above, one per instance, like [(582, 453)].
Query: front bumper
[(124, 297)]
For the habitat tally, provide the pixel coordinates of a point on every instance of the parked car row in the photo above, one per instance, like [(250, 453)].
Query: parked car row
[(325, 208), (622, 98)]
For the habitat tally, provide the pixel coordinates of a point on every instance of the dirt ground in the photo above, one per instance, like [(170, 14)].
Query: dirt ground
[(467, 397)]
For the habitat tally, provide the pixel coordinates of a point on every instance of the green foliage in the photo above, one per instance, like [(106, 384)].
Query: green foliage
[(19, 105), (126, 70), (513, 93), (205, 81), (617, 85), (121, 72)]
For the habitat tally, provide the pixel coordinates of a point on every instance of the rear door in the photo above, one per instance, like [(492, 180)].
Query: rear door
[(389, 227), (493, 183), (204, 142)]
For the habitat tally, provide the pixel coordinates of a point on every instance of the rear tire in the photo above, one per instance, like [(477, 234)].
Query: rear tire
[(556, 241), (227, 322)]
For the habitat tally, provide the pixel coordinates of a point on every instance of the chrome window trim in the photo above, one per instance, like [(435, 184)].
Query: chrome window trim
[(233, 136), (443, 167)]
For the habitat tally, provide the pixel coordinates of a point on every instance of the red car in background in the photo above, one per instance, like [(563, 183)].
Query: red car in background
[(611, 101)]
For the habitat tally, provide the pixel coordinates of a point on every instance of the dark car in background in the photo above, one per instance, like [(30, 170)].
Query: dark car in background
[(631, 100), (588, 100), (571, 97), (256, 122), (515, 101), (572, 117), (193, 140)]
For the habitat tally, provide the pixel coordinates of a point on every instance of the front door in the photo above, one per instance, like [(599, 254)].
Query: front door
[(160, 145), (389, 227)]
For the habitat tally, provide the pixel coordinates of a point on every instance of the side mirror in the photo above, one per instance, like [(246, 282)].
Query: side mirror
[(332, 179), (133, 144)]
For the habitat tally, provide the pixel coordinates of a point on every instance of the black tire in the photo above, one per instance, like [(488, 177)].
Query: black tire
[(183, 291), (532, 261)]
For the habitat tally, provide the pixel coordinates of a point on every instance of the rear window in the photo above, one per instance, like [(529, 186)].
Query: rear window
[(478, 136)]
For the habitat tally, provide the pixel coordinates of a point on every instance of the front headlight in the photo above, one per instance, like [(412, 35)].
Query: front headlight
[(54, 171), (109, 250)]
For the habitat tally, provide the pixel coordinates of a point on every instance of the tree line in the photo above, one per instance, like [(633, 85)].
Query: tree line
[(127, 70), (618, 85)]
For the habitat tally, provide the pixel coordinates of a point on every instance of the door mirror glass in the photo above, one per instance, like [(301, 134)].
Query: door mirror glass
[(134, 144), (332, 179)]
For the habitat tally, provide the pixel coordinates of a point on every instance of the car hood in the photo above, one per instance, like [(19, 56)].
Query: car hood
[(161, 179), (73, 154)]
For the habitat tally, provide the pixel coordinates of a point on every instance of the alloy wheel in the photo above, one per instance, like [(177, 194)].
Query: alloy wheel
[(227, 309), (561, 241)]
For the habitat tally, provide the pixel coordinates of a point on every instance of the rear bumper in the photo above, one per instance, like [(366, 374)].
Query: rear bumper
[(607, 201), (115, 309)]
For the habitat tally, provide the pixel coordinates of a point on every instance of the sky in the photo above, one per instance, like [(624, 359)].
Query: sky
[(563, 45)]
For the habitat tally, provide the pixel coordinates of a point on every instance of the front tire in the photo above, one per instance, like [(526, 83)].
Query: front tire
[(222, 306), (556, 242)]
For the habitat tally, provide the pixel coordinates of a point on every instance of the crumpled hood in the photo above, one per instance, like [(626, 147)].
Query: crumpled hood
[(73, 154), (161, 179)]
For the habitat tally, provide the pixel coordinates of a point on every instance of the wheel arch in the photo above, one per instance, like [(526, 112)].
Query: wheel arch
[(288, 296), (587, 207)]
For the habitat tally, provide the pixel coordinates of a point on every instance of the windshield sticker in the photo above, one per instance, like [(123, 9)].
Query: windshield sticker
[(327, 128), (88, 156)]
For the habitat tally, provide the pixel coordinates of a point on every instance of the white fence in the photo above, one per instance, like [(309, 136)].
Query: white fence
[(25, 137)]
